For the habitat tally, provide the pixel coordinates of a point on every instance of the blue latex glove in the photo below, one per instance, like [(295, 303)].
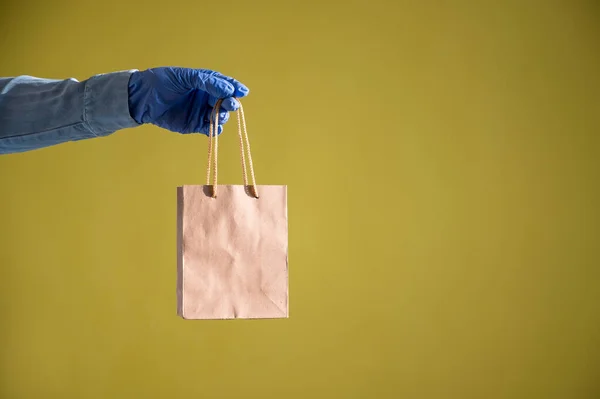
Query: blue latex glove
[(182, 99)]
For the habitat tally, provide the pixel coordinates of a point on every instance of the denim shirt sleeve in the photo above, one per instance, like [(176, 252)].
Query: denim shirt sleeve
[(37, 113)]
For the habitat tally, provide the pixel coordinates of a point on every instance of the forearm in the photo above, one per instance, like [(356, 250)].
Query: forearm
[(36, 113)]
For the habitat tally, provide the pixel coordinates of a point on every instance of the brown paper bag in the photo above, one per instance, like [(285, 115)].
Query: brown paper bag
[(232, 245)]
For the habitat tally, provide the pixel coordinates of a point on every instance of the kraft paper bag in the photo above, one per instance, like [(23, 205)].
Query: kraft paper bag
[(232, 245)]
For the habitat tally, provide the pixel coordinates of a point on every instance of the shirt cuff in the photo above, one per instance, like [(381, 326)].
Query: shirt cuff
[(106, 103)]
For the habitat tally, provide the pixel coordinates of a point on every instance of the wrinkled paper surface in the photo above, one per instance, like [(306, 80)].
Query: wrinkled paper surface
[(232, 253)]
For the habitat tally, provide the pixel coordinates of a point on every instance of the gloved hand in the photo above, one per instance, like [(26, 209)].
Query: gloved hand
[(182, 99)]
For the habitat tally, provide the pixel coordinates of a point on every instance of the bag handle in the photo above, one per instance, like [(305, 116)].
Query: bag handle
[(213, 134)]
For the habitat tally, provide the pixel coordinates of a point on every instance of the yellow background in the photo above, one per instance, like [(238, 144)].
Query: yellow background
[(443, 168)]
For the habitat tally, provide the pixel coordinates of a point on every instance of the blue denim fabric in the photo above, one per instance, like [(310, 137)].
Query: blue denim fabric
[(37, 113)]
